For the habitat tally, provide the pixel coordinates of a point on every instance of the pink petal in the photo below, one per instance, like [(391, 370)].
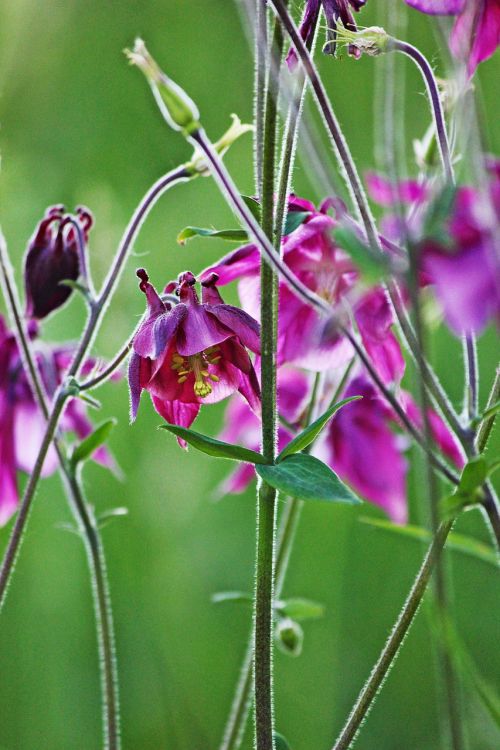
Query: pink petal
[(29, 430)]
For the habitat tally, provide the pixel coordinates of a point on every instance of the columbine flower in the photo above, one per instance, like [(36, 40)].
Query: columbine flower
[(462, 265), (323, 267), (476, 33), (23, 425), (334, 10), (53, 256), (193, 353)]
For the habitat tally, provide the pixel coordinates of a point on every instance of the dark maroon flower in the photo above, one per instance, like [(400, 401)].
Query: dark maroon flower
[(53, 256), (23, 425), (193, 353)]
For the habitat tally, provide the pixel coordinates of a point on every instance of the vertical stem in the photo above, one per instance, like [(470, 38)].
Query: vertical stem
[(266, 500), (486, 425), (260, 89)]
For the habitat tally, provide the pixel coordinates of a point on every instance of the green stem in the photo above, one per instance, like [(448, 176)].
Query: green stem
[(486, 425), (267, 496), (390, 651)]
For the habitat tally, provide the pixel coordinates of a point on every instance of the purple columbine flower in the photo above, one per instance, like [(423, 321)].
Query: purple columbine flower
[(462, 265), (476, 32), (323, 267), (22, 424), (53, 256), (192, 353)]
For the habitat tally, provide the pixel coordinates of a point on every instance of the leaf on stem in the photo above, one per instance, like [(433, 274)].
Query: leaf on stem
[(280, 743), (212, 447), (307, 436), (299, 609), (239, 597), (306, 478), (86, 448), (231, 235)]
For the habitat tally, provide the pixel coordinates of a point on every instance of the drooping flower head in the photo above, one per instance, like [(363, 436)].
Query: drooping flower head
[(334, 10), (23, 425), (322, 266), (192, 353), (476, 32), (53, 256)]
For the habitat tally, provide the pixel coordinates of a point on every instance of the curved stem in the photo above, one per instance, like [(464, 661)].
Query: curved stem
[(486, 425), (437, 109), (346, 161), (386, 659)]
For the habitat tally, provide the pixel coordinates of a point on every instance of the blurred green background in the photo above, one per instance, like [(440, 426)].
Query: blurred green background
[(79, 126)]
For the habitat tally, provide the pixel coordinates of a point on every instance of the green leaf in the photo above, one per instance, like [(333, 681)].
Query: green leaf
[(239, 597), (437, 215), (458, 542), (213, 447), (474, 474), (254, 206), (307, 436), (280, 743), (107, 516), (232, 235), (86, 448), (371, 267), (306, 478), (76, 286), (293, 221), (299, 609)]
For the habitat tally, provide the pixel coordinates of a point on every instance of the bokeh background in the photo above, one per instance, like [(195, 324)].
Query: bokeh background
[(79, 126)]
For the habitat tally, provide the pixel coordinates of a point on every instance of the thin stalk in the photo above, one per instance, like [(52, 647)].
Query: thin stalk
[(390, 651), (491, 507), (260, 89), (487, 423), (452, 689), (437, 109), (82, 514), (345, 159), (432, 382), (164, 183), (471, 376)]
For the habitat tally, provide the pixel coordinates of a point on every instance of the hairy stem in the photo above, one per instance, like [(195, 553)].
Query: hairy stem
[(437, 109), (390, 651), (488, 422)]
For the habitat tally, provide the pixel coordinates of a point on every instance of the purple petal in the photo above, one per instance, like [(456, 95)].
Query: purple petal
[(441, 433), (437, 7), (293, 392), (374, 318), (476, 33), (362, 448), (387, 193), (175, 412), (199, 331), (29, 430), (241, 262), (243, 325), (134, 382), (155, 333)]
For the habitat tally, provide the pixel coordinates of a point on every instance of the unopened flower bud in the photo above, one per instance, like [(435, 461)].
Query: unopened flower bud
[(373, 40), (53, 257), (198, 164), (289, 636), (180, 112)]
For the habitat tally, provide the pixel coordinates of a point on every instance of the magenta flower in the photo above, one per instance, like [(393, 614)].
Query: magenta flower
[(323, 267), (23, 426), (363, 449), (193, 353), (53, 256), (476, 32), (462, 265)]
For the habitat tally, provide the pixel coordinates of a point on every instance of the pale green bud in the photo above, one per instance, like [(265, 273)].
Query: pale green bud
[(180, 112), (373, 40)]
